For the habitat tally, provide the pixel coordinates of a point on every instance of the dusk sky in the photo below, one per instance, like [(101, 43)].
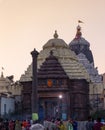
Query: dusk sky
[(29, 24)]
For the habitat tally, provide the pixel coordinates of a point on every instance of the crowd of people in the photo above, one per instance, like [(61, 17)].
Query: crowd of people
[(98, 124), (57, 124), (60, 125), (28, 125), (90, 124), (14, 124)]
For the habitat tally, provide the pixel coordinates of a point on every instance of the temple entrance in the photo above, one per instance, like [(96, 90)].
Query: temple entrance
[(48, 108)]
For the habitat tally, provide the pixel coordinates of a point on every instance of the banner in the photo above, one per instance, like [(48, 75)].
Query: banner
[(34, 116)]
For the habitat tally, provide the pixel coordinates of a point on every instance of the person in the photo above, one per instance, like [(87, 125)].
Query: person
[(98, 125), (70, 125), (37, 126), (62, 126), (89, 124), (11, 125), (24, 124), (103, 121), (6, 124), (103, 127), (75, 125), (1, 124), (18, 125)]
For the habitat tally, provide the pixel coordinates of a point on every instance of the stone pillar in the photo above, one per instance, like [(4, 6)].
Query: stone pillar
[(34, 98)]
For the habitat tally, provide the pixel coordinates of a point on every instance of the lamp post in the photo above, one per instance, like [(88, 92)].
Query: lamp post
[(60, 105)]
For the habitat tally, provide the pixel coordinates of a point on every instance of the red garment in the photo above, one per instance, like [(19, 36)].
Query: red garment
[(28, 126), (11, 125), (24, 124), (98, 126)]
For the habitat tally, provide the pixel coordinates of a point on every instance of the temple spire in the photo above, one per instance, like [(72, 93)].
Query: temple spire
[(78, 34)]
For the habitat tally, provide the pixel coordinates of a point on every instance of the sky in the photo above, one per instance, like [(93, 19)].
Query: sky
[(29, 24)]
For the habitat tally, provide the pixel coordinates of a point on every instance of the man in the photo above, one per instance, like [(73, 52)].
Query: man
[(37, 126), (89, 124), (75, 125)]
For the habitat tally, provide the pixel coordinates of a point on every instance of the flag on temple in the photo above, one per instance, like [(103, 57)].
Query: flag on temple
[(79, 21)]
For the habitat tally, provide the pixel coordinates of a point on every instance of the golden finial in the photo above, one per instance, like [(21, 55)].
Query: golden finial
[(55, 34)]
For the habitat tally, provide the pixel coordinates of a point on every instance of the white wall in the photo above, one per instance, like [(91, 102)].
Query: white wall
[(9, 103)]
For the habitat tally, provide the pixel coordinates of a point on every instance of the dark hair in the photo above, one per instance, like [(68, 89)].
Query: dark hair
[(1, 119), (89, 118), (61, 122), (98, 119)]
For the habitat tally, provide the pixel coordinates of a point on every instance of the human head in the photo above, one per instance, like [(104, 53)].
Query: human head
[(98, 119), (37, 126), (89, 118)]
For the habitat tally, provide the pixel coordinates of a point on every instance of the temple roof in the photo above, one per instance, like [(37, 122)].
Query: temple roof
[(51, 68), (65, 56), (80, 41), (93, 72), (80, 45), (4, 83)]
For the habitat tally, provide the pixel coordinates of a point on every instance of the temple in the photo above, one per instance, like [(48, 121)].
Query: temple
[(59, 73), (67, 71)]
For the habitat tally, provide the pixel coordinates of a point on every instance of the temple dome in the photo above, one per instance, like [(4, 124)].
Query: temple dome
[(80, 41), (80, 45), (55, 42)]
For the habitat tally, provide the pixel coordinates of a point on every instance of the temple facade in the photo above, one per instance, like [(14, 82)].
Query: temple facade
[(67, 71), (59, 73)]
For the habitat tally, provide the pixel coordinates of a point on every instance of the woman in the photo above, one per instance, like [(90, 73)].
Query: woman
[(18, 125), (70, 125), (98, 125), (61, 126)]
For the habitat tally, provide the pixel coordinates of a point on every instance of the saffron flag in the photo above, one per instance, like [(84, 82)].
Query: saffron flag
[(79, 21)]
